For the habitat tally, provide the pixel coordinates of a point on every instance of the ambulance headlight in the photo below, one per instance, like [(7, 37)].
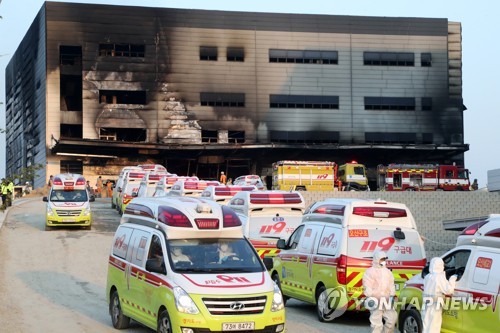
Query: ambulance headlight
[(183, 302), (49, 211), (277, 299), (86, 211)]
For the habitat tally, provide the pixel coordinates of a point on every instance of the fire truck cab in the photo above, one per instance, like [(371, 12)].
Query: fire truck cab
[(422, 177), (268, 216)]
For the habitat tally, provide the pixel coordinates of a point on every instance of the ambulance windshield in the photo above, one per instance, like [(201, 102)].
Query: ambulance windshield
[(68, 196), (213, 255)]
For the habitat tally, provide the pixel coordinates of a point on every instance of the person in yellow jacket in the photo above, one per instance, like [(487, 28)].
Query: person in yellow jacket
[(10, 193), (3, 191)]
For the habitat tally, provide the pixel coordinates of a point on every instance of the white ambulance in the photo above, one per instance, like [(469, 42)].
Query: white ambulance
[(131, 183), (68, 202), (153, 168), (268, 216), (474, 305), (250, 180), (147, 187), (166, 183), (223, 193), (119, 184), (334, 245), (183, 265), (190, 188)]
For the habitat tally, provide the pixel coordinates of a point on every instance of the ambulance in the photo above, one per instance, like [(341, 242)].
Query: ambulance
[(68, 202), (130, 186), (119, 184), (153, 168), (147, 187), (223, 193), (334, 245), (190, 188), (166, 183), (268, 216), (250, 180), (183, 265), (474, 305)]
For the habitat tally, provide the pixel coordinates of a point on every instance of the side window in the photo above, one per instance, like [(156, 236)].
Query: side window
[(138, 254), (307, 241), (155, 250), (293, 241), (456, 262)]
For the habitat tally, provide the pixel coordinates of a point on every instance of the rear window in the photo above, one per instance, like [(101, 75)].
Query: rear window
[(363, 242)]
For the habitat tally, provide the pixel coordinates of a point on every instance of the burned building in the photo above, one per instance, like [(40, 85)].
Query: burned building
[(92, 88)]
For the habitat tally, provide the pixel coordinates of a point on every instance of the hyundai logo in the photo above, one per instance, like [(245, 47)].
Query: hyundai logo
[(237, 306)]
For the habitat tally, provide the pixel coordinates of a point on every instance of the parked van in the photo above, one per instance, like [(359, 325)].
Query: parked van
[(474, 303), (147, 186), (353, 177), (334, 246), (68, 202), (183, 265), (119, 184), (250, 180), (190, 188), (130, 186), (268, 216), (166, 183), (223, 193)]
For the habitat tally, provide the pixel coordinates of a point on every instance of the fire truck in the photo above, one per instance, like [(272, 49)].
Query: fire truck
[(305, 176), (422, 177)]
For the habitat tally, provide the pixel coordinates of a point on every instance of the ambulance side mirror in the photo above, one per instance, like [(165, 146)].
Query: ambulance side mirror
[(268, 263), (398, 234), (134, 194), (92, 198), (425, 270), (45, 199), (281, 244), (155, 266), (119, 189)]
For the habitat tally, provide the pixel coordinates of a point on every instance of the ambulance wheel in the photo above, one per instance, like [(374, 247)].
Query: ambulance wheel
[(410, 321), (48, 228), (321, 303), (120, 321), (276, 280), (112, 204), (164, 325)]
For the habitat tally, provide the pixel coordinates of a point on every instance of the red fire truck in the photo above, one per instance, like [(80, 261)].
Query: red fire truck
[(422, 177)]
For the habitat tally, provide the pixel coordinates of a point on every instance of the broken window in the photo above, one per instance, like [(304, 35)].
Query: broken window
[(71, 131), (122, 96), (71, 167), (71, 92), (70, 55), (123, 134), (222, 99), (122, 50)]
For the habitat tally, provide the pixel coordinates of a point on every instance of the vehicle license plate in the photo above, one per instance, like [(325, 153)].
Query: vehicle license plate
[(249, 325), (68, 221)]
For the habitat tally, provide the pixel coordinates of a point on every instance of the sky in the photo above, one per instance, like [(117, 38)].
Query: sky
[(480, 47)]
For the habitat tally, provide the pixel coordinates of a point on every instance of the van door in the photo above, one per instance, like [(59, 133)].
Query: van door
[(302, 264), (482, 311), (289, 258), (137, 273), (458, 263)]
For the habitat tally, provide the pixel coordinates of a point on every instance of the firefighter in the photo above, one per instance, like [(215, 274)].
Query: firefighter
[(222, 178)]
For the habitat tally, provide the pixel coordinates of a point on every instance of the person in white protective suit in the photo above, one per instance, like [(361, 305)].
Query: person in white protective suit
[(378, 285), (435, 288)]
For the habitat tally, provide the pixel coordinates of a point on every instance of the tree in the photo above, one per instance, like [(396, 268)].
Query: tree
[(26, 174)]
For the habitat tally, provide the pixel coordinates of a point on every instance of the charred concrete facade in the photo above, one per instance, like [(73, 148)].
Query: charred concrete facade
[(94, 87)]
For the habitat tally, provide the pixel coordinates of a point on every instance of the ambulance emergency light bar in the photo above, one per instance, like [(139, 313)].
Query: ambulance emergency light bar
[(275, 198), (194, 185), (171, 180), (230, 191), (173, 217), (136, 175), (79, 181)]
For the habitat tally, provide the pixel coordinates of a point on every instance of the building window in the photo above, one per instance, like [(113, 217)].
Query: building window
[(71, 131), (235, 54), (425, 59), (71, 97), (236, 136), (70, 55), (122, 96), (390, 103), (426, 104), (208, 53), (71, 167), (303, 102), (304, 57), (122, 50), (222, 99), (390, 137), (389, 58)]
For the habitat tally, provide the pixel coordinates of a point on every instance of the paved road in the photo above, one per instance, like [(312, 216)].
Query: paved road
[(54, 281)]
